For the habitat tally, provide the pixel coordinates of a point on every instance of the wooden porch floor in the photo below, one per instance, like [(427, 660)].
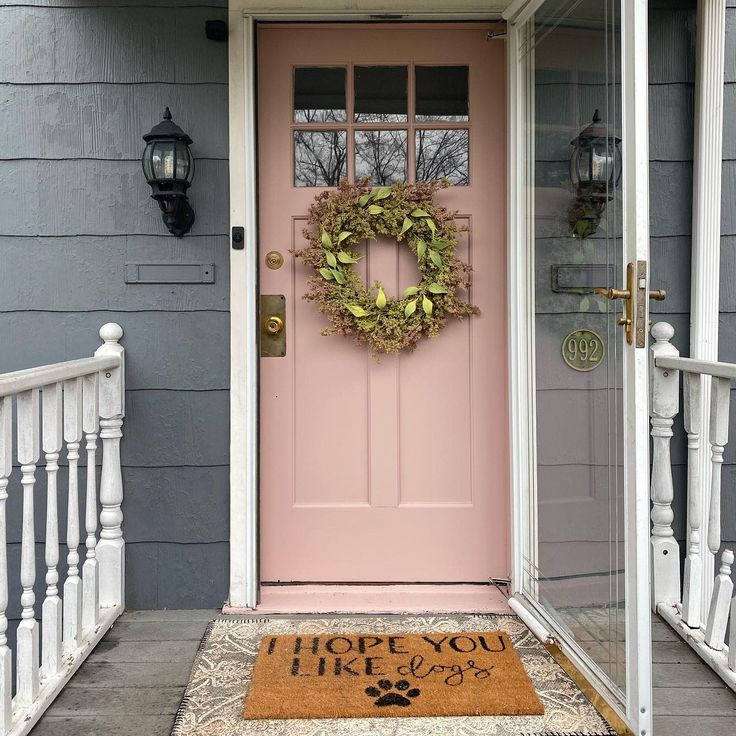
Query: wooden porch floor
[(132, 683)]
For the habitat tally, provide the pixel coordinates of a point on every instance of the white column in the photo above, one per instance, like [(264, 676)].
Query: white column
[(111, 548), (27, 637), (706, 250), (51, 611), (6, 659)]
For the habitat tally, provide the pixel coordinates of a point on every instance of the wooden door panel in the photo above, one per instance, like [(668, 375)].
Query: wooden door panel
[(390, 470)]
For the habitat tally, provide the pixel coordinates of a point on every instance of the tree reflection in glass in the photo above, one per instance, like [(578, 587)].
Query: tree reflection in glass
[(443, 154), (380, 155), (320, 158)]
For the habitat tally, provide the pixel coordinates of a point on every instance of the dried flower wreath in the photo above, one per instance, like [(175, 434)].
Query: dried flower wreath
[(340, 219)]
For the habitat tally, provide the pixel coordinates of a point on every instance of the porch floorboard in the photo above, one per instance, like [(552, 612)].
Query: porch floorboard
[(133, 682)]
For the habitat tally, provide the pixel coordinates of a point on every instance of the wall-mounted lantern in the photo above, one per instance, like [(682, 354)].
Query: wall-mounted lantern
[(595, 171), (168, 166)]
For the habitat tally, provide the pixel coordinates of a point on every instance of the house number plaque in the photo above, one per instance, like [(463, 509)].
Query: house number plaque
[(583, 350)]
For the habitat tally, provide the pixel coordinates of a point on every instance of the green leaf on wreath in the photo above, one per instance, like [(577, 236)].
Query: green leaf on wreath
[(407, 224), (357, 310), (439, 244), (427, 306), (421, 249), (363, 201), (381, 193), (435, 288), (418, 212), (326, 239), (344, 257), (326, 274), (344, 234), (338, 276), (436, 258), (381, 298), (411, 290), (375, 209), (410, 308), (331, 260), (432, 226)]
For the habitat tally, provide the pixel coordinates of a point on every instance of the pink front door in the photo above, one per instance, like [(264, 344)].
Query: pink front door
[(390, 471)]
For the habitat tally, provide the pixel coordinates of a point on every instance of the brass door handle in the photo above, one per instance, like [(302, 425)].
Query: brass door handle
[(274, 325), (658, 296), (613, 293)]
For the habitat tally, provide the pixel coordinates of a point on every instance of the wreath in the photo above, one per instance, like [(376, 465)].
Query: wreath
[(340, 219)]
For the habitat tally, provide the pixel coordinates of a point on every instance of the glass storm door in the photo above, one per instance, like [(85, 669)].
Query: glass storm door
[(393, 470), (585, 565)]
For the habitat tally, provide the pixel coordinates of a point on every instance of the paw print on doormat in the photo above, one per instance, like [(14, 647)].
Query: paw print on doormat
[(386, 693)]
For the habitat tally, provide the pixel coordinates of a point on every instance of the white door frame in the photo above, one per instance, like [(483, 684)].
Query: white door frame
[(244, 358), (634, 29)]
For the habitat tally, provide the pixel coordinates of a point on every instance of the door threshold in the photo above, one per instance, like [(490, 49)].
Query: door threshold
[(375, 599)]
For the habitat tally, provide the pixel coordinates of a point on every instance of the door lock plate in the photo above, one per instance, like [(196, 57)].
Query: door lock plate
[(642, 304), (272, 320)]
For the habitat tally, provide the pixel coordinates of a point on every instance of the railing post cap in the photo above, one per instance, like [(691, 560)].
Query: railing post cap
[(663, 331), (111, 332)]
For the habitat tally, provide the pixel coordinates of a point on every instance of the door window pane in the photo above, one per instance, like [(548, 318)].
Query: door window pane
[(319, 95), (442, 93), (443, 154), (320, 157), (380, 155), (380, 94)]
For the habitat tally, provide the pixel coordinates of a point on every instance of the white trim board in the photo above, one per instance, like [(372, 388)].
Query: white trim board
[(368, 9), (243, 317)]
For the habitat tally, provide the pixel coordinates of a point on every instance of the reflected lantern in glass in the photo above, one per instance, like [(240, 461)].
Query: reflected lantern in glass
[(168, 166), (595, 163)]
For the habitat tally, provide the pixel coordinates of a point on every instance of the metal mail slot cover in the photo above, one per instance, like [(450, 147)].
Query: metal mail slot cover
[(169, 273)]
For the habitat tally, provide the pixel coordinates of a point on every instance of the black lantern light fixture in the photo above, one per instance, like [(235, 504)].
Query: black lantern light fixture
[(168, 166), (595, 171)]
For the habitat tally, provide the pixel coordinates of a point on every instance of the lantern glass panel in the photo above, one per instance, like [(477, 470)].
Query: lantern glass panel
[(147, 163), (162, 160), (184, 163)]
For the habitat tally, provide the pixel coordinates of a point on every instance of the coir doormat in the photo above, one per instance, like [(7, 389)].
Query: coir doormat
[(389, 675)]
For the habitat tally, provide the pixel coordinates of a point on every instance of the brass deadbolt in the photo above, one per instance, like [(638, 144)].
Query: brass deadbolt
[(274, 259), (274, 325)]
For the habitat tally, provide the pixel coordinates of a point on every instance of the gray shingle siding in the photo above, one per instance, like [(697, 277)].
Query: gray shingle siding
[(78, 88)]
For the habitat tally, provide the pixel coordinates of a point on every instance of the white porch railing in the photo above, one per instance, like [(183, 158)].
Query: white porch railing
[(77, 400), (681, 601)]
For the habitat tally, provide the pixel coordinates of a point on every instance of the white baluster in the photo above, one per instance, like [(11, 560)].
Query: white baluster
[(720, 603), (90, 580), (732, 638), (28, 453), (51, 609), (664, 405), (111, 548), (720, 399), (6, 660), (73, 583), (691, 594)]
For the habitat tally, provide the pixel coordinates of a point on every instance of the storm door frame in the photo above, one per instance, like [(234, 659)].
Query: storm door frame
[(636, 710)]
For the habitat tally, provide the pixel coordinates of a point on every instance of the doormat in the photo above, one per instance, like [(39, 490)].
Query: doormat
[(221, 676), (392, 675)]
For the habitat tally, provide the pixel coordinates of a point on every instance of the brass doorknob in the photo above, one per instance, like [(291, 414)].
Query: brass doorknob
[(274, 325), (658, 296)]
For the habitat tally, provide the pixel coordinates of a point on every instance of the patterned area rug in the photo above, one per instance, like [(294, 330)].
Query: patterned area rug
[(213, 701)]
